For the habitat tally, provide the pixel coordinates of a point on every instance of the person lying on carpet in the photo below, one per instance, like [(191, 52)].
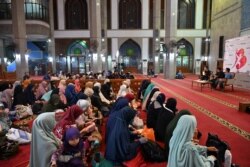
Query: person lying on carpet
[(71, 152), (183, 152), (120, 143)]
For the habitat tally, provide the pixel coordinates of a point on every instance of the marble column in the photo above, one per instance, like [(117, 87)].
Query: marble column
[(198, 41), (115, 52), (19, 37), (170, 31), (145, 50), (95, 35), (51, 44), (156, 28), (61, 14), (2, 57), (104, 42), (145, 41), (114, 14)]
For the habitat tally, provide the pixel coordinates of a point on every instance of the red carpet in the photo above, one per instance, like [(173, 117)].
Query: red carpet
[(216, 112)]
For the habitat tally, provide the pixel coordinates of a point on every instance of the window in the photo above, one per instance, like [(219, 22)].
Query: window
[(5, 10), (36, 10), (130, 14), (76, 14), (186, 14)]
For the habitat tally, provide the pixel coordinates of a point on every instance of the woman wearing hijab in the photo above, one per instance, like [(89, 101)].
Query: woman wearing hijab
[(148, 99), (68, 120), (42, 89), (165, 116), (53, 104), (70, 94), (146, 96), (44, 143), (122, 102), (171, 126), (154, 109), (142, 89), (106, 89), (30, 93), (19, 96), (7, 94), (62, 86), (120, 146), (183, 152), (122, 91)]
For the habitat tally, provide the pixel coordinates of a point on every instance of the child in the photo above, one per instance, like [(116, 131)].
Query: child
[(5, 122), (71, 152)]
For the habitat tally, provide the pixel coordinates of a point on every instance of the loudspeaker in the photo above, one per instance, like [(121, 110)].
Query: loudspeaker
[(156, 33), (103, 33), (221, 47)]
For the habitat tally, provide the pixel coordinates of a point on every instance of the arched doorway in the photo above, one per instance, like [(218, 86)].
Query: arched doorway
[(185, 56), (130, 56), (78, 54)]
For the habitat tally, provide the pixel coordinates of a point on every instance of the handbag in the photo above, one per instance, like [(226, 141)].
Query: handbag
[(7, 147), (152, 152), (222, 146)]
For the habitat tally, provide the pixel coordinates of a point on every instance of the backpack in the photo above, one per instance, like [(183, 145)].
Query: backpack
[(7, 147), (152, 152), (222, 146)]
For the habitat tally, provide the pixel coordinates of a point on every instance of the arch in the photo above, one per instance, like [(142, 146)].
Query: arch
[(76, 12), (77, 48), (185, 55), (186, 14), (79, 59), (130, 14), (130, 54)]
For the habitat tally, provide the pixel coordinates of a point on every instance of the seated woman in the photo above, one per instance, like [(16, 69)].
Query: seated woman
[(171, 126), (154, 108), (183, 152), (69, 119), (165, 116), (120, 145), (44, 143)]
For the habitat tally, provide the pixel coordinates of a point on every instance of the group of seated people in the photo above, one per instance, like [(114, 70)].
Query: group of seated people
[(66, 131), (217, 79), (90, 75)]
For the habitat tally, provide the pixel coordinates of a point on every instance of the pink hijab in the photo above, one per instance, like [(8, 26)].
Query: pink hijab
[(62, 87), (68, 119)]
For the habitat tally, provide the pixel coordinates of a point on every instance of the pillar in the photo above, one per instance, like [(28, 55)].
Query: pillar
[(170, 34), (51, 44), (19, 37), (61, 14), (114, 14), (145, 41), (156, 29), (115, 52), (95, 35)]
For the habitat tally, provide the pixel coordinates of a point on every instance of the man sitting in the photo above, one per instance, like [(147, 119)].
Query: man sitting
[(219, 77)]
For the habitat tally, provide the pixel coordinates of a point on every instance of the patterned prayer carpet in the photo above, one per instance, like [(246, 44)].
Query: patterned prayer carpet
[(216, 112)]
